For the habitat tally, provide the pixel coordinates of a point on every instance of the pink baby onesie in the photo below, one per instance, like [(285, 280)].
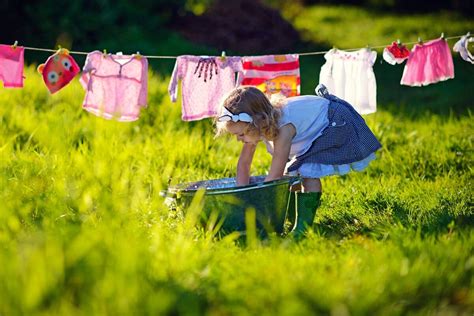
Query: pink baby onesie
[(205, 81), (116, 85), (428, 63), (11, 66)]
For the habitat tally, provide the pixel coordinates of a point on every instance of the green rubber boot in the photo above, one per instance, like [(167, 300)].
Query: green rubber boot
[(306, 206)]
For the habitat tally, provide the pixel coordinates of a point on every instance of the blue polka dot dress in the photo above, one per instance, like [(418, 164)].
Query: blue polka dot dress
[(346, 143)]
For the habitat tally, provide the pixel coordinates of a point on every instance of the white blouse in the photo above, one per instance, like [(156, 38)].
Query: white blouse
[(309, 115)]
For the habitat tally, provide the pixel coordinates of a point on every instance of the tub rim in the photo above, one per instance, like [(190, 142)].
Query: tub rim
[(290, 180)]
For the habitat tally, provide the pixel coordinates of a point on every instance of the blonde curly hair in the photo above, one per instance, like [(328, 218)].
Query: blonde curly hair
[(264, 112)]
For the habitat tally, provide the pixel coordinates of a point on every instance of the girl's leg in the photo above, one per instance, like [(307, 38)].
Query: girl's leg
[(312, 185)]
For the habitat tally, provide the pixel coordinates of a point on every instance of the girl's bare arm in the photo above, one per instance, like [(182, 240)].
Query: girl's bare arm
[(245, 161), (281, 151)]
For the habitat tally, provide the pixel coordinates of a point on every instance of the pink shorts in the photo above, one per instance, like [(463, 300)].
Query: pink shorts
[(428, 63), (11, 66)]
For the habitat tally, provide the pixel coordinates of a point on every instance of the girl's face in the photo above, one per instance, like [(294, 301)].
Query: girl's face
[(238, 129)]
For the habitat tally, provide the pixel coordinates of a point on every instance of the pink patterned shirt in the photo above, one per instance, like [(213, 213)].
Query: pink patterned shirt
[(116, 85), (205, 81)]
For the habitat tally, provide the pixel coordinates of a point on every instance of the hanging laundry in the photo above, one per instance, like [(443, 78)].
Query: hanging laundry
[(58, 70), (395, 53), (273, 74), (204, 82), (428, 63), (350, 76), (462, 48), (11, 65), (116, 85)]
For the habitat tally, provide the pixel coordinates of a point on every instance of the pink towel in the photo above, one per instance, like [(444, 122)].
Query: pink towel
[(11, 66), (428, 63)]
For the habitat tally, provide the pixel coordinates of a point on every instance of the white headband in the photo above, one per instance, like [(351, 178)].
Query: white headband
[(228, 116)]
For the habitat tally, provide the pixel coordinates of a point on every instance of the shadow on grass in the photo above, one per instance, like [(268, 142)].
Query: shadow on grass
[(384, 212)]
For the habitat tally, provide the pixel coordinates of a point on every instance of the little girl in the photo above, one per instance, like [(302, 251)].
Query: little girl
[(312, 136)]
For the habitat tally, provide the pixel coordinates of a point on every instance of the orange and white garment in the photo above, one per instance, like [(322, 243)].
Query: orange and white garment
[(273, 74)]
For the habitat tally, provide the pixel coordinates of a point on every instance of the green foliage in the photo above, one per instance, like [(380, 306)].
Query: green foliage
[(120, 25), (83, 229), (335, 26), (91, 21)]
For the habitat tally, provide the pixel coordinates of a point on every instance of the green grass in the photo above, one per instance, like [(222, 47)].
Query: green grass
[(83, 229)]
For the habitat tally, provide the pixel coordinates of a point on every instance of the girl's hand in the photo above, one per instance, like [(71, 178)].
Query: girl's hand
[(281, 151)]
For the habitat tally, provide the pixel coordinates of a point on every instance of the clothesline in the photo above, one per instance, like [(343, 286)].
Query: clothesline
[(379, 46), (174, 57), (427, 63)]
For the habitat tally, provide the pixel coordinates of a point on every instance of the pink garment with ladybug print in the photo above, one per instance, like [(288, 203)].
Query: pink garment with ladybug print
[(116, 85), (350, 76), (58, 70)]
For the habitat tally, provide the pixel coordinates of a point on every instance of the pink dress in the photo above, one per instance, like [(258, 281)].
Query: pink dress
[(116, 85), (428, 63), (205, 81), (11, 66)]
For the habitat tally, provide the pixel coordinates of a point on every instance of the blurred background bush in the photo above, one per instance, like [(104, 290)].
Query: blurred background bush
[(120, 24)]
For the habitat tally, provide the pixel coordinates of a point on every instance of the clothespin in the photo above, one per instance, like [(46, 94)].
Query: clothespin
[(442, 35), (104, 54), (63, 51), (16, 44), (138, 56), (420, 41), (367, 47), (399, 43), (469, 38), (223, 57)]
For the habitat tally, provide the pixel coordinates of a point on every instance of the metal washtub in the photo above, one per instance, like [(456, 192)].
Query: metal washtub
[(226, 204)]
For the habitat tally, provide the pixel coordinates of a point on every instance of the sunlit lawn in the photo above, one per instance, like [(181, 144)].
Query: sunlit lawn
[(83, 229)]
